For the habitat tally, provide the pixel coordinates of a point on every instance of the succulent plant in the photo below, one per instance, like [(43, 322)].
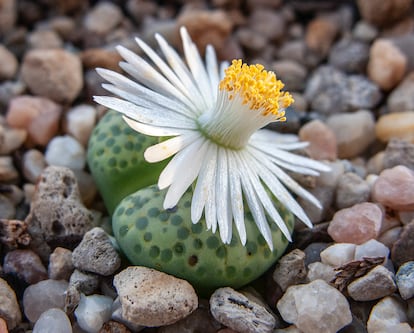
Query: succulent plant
[(167, 240), (116, 160)]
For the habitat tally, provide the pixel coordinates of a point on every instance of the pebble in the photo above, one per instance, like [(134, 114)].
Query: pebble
[(338, 254), (356, 224), (96, 253), (93, 311), (294, 50), (206, 27), (364, 31), (397, 125), (103, 18), (37, 115), (405, 280), (99, 57), (11, 139), (65, 151), (394, 188), (251, 40), (44, 39), (152, 298), (330, 90), (87, 186), (9, 306), (26, 265), (388, 315), (42, 296), (53, 73), (33, 165), (9, 64), (387, 64), (198, 321), (267, 23), (7, 208), (8, 172), (117, 315), (290, 269), (60, 264), (351, 190), (85, 283), (8, 15), (80, 121), (313, 252), (315, 307), (399, 152), (389, 237), (52, 321), (402, 250), (13, 233), (371, 249), (234, 310), (401, 98), (64, 218), (384, 13), (320, 34), (377, 283), (320, 271), (349, 55), (354, 132), (112, 326), (322, 140), (292, 74), (3, 326)]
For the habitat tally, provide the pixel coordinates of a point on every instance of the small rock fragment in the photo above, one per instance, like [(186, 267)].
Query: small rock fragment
[(11, 139), (8, 174), (290, 269), (322, 140), (37, 115), (103, 18), (237, 312), (397, 125), (401, 99), (112, 326), (8, 63), (377, 283), (402, 250), (9, 307), (65, 151), (96, 253), (356, 224), (315, 307), (80, 121), (86, 283), (351, 190), (60, 264), (52, 321), (388, 315), (385, 12), (399, 152), (371, 249), (53, 73), (338, 254), (405, 280), (354, 132), (152, 298), (93, 311), (33, 165), (320, 271), (26, 265), (320, 34), (387, 64), (57, 216), (349, 55), (13, 233), (42, 296)]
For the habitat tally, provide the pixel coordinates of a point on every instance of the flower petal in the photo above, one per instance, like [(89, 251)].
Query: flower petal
[(212, 70), (223, 199), (153, 130), (166, 149)]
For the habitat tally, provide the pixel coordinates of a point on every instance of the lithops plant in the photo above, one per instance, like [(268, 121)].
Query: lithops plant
[(168, 241), (115, 158)]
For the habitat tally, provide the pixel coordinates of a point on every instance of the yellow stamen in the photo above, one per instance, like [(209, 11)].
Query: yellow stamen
[(259, 88)]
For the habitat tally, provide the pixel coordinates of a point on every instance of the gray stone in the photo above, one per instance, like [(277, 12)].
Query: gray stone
[(9, 307), (152, 298), (315, 307), (290, 269), (236, 311), (292, 74), (349, 55), (86, 283), (51, 321), (377, 283), (57, 215), (402, 97), (405, 280), (96, 253), (351, 190), (402, 250), (398, 152)]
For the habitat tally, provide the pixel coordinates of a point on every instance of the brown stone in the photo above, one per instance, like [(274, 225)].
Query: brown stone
[(385, 12), (93, 58), (402, 250), (13, 233)]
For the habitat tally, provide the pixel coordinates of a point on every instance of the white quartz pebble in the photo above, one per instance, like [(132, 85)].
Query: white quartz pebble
[(52, 321), (93, 311), (65, 151)]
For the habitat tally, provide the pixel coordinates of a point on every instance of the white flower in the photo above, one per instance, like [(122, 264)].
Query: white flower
[(213, 119)]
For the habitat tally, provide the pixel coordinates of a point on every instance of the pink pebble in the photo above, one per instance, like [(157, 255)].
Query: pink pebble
[(356, 224), (38, 115), (394, 188)]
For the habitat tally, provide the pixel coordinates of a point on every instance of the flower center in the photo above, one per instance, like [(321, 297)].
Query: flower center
[(249, 98)]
